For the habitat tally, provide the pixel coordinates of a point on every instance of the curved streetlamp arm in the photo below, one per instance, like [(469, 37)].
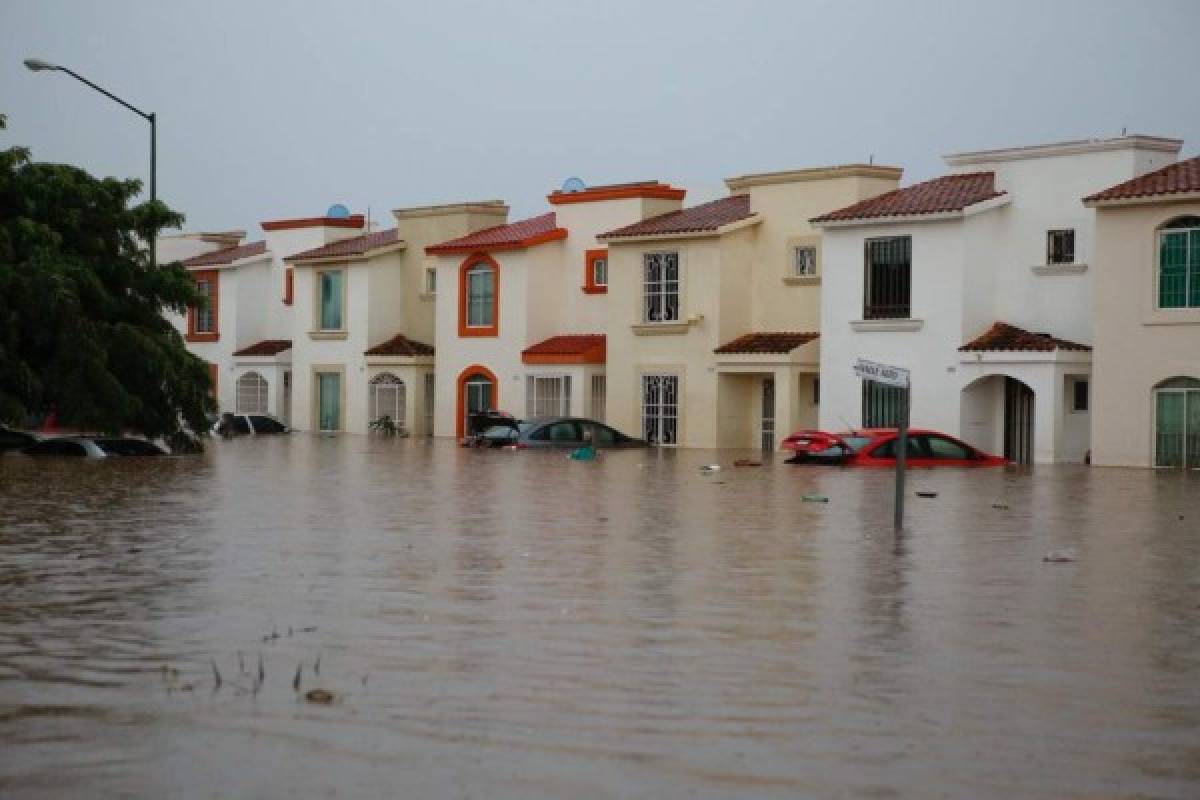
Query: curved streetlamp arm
[(106, 93)]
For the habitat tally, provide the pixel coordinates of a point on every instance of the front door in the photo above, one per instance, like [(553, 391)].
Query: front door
[(477, 396), (660, 409), (767, 427), (1018, 422), (1177, 428), (329, 401)]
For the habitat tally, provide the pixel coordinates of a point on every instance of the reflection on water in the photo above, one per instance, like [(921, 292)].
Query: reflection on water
[(500, 624)]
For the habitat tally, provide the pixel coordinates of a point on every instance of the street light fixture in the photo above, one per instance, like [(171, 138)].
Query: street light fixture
[(38, 65)]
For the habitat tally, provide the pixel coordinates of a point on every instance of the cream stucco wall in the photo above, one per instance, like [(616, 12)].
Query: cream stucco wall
[(1137, 344)]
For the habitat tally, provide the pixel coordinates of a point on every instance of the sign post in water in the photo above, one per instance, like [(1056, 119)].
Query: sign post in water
[(898, 377)]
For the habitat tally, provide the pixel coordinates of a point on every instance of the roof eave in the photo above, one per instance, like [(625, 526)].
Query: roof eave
[(300, 261), (936, 216), (531, 241), (1144, 200), (707, 233)]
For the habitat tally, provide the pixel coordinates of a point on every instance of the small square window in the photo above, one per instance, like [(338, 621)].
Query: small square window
[(804, 263), (1060, 247), (1080, 400), (430, 280), (600, 272)]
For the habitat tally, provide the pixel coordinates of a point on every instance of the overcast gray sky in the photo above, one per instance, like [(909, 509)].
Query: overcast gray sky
[(278, 109)]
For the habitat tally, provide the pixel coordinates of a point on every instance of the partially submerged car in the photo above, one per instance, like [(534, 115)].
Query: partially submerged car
[(12, 439), (252, 424), (94, 447), (557, 432), (876, 447)]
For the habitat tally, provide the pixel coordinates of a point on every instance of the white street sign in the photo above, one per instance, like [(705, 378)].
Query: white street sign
[(881, 373)]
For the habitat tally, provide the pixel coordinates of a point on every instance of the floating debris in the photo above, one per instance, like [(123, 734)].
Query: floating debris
[(216, 674), (317, 664), (319, 696), (1001, 506), (926, 494), (296, 680), (814, 498), (1064, 556), (709, 468), (747, 462), (262, 672)]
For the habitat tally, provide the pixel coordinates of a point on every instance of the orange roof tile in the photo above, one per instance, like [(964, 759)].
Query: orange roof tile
[(948, 193), (704, 217), (1002, 336), (400, 345), (226, 255), (576, 348), (267, 347), (1177, 178), (512, 236), (354, 246), (784, 342)]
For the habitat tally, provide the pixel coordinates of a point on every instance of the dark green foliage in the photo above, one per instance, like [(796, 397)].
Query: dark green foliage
[(82, 329)]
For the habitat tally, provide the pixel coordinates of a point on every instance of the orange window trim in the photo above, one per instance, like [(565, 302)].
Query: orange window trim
[(214, 299), (589, 275), (468, 331), (460, 403), (289, 286)]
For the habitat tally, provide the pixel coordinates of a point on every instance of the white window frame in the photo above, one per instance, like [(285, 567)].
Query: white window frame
[(431, 280), (320, 288), (204, 322), (599, 397), (256, 395), (663, 413), (1187, 287), (382, 385), (799, 269), (1075, 409), (659, 288), (475, 270), (548, 405), (599, 268)]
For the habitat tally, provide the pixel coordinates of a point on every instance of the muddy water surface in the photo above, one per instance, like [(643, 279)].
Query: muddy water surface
[(514, 625)]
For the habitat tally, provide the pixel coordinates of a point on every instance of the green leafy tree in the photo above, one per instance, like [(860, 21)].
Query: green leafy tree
[(82, 325)]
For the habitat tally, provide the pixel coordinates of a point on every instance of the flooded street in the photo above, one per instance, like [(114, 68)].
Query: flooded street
[(514, 625)]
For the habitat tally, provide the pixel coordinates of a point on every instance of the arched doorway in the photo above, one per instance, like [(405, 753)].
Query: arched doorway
[(251, 394), (476, 392), (386, 398), (1177, 423), (997, 415)]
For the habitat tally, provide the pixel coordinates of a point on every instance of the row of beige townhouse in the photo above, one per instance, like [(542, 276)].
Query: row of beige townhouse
[(1045, 299)]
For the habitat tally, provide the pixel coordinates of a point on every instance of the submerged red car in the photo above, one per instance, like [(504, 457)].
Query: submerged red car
[(876, 447)]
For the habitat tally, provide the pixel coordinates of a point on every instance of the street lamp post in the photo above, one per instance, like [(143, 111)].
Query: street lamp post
[(37, 65)]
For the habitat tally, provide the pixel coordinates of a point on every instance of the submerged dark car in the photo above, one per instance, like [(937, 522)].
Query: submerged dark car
[(15, 440), (94, 447), (566, 432)]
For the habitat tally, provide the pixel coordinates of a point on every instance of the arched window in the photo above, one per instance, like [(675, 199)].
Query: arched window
[(1177, 423), (1179, 263), (387, 398), (251, 394), (479, 290)]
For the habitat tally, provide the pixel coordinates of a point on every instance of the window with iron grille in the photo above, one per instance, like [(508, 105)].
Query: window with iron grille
[(660, 409), (251, 394), (1179, 264), (888, 278), (661, 287), (387, 398), (204, 316), (804, 262), (547, 395), (881, 405), (1060, 247)]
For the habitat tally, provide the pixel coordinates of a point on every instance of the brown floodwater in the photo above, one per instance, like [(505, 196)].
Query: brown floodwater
[(499, 624)]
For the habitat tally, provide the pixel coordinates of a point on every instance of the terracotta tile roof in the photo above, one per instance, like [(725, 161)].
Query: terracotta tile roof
[(947, 193), (514, 235), (226, 255), (577, 348), (400, 345), (354, 246), (1002, 336), (704, 217), (784, 342), (267, 347), (1182, 176)]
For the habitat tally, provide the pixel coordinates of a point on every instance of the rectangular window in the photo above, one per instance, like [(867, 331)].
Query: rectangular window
[(204, 315), (547, 395), (599, 397), (1079, 401), (888, 278), (1060, 247), (330, 311), (661, 287), (329, 401), (881, 405), (289, 285), (481, 292), (660, 409), (430, 280), (600, 272), (816, 391), (804, 262), (1179, 269)]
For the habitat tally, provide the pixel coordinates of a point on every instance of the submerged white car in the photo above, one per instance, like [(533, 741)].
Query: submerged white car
[(94, 447)]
